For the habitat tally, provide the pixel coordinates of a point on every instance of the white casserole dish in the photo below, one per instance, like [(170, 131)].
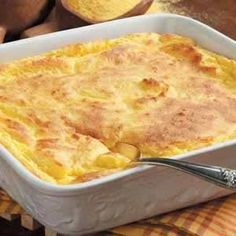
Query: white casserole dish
[(130, 195)]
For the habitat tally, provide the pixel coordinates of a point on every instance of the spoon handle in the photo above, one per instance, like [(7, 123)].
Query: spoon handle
[(218, 175)]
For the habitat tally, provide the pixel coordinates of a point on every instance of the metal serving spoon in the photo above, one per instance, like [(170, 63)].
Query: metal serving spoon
[(223, 177)]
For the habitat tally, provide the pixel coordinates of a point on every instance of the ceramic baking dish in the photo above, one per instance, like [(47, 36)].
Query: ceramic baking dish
[(132, 194)]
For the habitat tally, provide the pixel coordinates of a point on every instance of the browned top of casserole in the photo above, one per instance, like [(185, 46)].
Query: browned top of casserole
[(62, 113)]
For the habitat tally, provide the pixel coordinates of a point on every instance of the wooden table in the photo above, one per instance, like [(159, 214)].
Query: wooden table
[(13, 228)]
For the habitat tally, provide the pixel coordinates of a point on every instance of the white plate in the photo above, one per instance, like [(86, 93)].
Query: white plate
[(132, 194)]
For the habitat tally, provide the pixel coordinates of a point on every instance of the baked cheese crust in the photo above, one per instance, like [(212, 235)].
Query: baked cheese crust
[(61, 113)]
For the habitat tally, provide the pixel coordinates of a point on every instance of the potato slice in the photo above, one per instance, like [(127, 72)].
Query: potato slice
[(127, 150)]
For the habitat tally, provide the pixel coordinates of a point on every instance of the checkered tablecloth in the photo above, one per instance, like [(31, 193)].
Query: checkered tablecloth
[(215, 218)]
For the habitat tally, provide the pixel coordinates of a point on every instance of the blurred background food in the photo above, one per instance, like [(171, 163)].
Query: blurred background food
[(95, 11), (219, 14), (18, 15), (27, 18)]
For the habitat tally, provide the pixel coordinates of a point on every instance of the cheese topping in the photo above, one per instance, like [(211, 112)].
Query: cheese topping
[(62, 113)]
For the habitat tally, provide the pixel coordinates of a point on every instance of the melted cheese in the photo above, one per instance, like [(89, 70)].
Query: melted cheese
[(62, 113)]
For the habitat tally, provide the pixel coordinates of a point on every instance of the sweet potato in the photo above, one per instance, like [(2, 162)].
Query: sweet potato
[(95, 11)]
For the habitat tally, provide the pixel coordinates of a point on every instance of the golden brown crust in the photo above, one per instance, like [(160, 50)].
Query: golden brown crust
[(62, 113)]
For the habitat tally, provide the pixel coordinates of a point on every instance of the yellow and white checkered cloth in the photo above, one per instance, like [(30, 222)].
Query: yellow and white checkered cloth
[(215, 218), (7, 205)]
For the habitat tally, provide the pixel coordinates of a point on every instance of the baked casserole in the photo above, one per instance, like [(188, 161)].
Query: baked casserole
[(63, 113)]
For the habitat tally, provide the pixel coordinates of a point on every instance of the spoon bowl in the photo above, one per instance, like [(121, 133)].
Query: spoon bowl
[(218, 175)]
